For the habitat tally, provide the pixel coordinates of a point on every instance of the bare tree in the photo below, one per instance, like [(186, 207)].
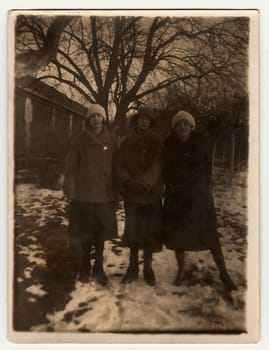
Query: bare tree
[(32, 61), (119, 61)]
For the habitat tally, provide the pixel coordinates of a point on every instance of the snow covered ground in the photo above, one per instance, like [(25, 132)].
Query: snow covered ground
[(198, 305)]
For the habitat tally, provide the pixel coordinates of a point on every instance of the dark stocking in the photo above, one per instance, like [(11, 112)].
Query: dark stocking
[(85, 264), (148, 272), (132, 271), (180, 257), (98, 269), (224, 275)]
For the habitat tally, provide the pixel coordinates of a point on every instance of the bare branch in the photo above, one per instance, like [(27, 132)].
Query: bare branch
[(68, 83)]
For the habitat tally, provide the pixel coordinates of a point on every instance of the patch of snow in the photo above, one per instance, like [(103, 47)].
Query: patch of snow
[(199, 304), (33, 256), (32, 300), (33, 238), (36, 289), (28, 272)]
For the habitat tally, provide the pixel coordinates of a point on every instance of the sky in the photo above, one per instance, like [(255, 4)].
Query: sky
[(263, 5)]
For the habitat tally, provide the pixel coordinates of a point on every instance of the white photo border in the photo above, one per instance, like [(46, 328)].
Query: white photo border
[(263, 166)]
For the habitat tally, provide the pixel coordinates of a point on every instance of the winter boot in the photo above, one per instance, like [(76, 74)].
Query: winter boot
[(85, 265), (74, 258), (132, 270), (85, 270), (98, 270), (149, 276), (84, 273), (224, 275), (180, 263), (228, 282), (99, 275)]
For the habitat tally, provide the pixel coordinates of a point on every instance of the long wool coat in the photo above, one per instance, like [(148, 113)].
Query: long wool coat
[(140, 162), (90, 183), (90, 174), (189, 213)]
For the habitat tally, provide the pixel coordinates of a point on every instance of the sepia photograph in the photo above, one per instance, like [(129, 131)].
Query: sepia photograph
[(133, 175)]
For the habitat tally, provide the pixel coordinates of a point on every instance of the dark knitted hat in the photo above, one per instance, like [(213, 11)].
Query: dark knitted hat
[(143, 112)]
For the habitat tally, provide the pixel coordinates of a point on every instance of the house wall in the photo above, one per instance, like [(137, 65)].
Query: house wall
[(42, 134)]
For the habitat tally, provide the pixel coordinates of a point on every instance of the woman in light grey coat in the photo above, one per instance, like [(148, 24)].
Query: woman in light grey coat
[(91, 188)]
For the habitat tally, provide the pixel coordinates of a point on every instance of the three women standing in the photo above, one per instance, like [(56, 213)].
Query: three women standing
[(95, 168)]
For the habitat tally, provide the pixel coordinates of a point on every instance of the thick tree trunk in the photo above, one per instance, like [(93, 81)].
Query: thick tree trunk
[(119, 123), (102, 100)]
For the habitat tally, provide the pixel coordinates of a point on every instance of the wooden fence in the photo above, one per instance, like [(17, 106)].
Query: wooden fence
[(43, 128)]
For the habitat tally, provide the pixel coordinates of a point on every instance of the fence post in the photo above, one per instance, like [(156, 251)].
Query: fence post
[(83, 124), (53, 119), (70, 124)]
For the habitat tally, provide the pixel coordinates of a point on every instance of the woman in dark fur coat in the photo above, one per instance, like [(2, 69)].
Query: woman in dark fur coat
[(189, 213), (141, 188)]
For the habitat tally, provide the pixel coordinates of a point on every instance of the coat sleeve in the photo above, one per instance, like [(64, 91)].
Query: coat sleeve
[(200, 161), (116, 163), (71, 169), (122, 172), (167, 161)]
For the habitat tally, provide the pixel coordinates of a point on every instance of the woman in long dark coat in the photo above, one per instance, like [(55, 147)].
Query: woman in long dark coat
[(90, 184), (189, 213), (141, 188)]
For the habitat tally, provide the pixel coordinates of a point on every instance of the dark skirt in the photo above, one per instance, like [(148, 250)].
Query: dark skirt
[(143, 226), (190, 219), (92, 222)]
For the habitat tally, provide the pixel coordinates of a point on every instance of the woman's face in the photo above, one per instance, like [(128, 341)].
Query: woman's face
[(143, 123), (96, 121), (183, 129)]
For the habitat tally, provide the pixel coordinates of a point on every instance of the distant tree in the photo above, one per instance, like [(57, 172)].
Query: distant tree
[(222, 114), (119, 61)]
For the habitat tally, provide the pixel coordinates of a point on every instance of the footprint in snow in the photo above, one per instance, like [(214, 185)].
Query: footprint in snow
[(120, 296), (82, 311), (84, 330), (93, 300), (82, 304), (68, 317)]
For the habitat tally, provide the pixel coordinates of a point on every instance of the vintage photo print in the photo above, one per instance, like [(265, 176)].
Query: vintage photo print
[(133, 176)]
